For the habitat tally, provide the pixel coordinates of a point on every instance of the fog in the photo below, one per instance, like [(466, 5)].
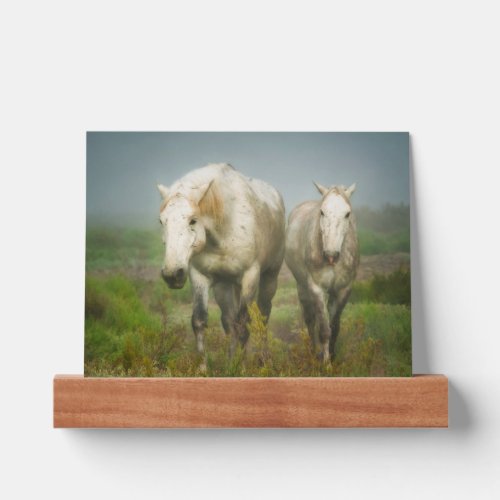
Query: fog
[(123, 168)]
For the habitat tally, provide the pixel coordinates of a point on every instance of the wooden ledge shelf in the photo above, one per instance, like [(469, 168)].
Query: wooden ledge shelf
[(418, 401)]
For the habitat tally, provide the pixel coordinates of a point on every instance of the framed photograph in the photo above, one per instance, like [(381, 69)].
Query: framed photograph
[(245, 254)]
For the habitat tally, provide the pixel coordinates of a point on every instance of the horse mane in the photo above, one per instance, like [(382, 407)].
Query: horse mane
[(212, 204), (164, 202)]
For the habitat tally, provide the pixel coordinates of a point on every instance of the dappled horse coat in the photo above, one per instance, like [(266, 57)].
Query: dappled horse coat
[(322, 254), (226, 231)]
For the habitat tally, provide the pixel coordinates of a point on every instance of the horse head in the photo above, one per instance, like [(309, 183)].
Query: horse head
[(334, 213), (184, 233)]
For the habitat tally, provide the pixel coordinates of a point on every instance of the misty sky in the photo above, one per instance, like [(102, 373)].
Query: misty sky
[(123, 168)]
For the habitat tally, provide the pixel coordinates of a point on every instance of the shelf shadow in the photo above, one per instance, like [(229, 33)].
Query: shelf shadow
[(420, 324)]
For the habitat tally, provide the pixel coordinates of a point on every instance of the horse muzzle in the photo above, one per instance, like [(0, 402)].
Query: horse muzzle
[(331, 258), (174, 279)]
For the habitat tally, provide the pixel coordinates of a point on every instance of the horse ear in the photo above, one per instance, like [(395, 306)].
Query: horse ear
[(163, 191), (201, 192), (350, 190), (322, 189)]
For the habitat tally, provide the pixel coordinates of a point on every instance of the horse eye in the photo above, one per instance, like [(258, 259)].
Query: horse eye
[(192, 222), (321, 212), (347, 215)]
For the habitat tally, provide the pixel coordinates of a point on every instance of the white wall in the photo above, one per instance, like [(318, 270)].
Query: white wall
[(427, 67)]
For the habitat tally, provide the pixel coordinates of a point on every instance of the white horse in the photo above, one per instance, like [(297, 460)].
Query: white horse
[(224, 231), (322, 253)]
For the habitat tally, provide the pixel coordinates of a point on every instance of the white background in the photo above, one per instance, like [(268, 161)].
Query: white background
[(427, 67)]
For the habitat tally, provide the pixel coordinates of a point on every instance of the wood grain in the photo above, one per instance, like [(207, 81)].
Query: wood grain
[(418, 401)]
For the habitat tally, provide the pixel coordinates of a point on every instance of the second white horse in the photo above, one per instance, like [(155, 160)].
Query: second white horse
[(322, 253)]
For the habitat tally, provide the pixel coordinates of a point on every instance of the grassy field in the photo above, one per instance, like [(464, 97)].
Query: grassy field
[(136, 326)]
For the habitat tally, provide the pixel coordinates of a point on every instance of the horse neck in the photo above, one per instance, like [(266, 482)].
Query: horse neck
[(315, 247), (213, 232)]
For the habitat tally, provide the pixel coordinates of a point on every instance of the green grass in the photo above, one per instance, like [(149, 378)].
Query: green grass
[(117, 247), (138, 328), (394, 288), (383, 230), (373, 243)]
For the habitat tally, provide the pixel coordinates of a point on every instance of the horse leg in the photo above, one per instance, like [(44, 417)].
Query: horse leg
[(267, 288), (225, 296), (308, 313), (249, 286), (335, 307), (322, 319), (199, 319)]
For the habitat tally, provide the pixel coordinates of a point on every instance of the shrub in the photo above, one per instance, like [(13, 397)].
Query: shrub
[(136, 328), (394, 288)]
